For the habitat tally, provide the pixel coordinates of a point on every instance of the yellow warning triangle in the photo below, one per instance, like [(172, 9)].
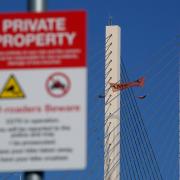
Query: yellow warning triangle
[(12, 89)]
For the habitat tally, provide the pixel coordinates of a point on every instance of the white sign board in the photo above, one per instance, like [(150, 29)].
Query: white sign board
[(43, 96)]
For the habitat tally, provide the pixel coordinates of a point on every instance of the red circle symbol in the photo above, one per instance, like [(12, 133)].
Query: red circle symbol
[(58, 84)]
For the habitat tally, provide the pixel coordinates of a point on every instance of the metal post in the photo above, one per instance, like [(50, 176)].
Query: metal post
[(33, 176), (35, 6)]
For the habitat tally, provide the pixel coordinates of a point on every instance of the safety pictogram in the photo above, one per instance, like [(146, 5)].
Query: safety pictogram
[(12, 89), (58, 85)]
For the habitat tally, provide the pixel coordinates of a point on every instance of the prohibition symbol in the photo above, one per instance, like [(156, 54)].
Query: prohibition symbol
[(58, 85), (12, 89)]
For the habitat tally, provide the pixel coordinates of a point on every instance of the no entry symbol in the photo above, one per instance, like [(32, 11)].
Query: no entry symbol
[(58, 84)]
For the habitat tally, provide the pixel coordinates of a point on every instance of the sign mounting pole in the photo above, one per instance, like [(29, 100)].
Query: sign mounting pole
[(112, 108), (36, 6)]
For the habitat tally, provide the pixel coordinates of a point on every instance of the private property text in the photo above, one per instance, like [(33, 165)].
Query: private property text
[(43, 32)]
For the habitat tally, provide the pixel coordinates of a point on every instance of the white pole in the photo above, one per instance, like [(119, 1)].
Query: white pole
[(35, 6), (112, 108)]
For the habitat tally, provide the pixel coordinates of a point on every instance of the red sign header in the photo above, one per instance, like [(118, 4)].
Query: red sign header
[(43, 40)]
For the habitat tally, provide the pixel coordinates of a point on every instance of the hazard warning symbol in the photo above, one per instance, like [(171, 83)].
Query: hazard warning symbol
[(58, 85), (12, 89)]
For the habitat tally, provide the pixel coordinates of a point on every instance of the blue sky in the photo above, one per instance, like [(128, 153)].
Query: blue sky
[(149, 48)]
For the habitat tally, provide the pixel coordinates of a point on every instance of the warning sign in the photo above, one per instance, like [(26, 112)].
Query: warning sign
[(43, 98), (12, 89)]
